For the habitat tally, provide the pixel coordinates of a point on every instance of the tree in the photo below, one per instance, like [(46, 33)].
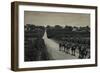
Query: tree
[(58, 27), (68, 28)]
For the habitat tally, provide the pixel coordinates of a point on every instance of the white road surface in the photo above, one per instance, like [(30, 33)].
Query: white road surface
[(53, 50)]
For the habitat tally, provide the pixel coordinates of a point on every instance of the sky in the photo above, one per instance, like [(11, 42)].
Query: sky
[(52, 19)]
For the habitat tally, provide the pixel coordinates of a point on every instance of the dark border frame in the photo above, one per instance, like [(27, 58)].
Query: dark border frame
[(14, 35)]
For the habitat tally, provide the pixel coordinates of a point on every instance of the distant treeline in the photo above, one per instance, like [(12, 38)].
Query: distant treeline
[(56, 31), (34, 31)]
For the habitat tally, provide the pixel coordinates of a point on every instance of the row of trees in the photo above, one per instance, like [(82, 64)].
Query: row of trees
[(70, 28), (34, 31), (58, 31)]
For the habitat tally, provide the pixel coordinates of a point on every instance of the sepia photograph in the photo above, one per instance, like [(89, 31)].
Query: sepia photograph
[(56, 36), (52, 36)]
